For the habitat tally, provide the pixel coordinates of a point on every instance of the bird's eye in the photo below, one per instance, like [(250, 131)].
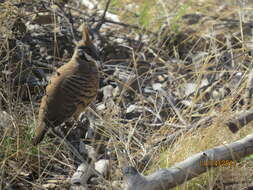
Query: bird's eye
[(87, 53)]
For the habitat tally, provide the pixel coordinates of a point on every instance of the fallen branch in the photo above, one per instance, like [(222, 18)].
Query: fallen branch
[(240, 120), (249, 89), (221, 156)]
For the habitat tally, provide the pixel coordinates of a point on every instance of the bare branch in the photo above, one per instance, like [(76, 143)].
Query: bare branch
[(221, 156)]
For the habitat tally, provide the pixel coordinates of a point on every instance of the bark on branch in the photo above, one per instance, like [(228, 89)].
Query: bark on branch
[(240, 120)]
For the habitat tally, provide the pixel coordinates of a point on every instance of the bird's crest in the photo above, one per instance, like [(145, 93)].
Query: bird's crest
[(85, 34)]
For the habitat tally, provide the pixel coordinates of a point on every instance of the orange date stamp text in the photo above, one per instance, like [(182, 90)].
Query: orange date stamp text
[(218, 163)]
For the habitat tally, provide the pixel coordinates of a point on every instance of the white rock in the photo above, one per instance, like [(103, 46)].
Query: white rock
[(157, 86), (90, 4), (102, 167), (131, 108)]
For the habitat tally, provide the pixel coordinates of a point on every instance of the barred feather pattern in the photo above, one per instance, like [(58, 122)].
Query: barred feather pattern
[(71, 89), (68, 93)]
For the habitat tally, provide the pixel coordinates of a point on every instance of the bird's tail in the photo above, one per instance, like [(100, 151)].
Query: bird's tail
[(40, 132)]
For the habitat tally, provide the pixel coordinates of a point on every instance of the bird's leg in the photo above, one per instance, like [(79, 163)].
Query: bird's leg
[(63, 139)]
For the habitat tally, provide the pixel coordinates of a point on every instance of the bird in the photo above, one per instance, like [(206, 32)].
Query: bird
[(71, 89)]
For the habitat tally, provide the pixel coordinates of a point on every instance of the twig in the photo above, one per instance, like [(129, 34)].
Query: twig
[(169, 98), (117, 23), (130, 26), (69, 21), (102, 21), (65, 16), (42, 64), (173, 137)]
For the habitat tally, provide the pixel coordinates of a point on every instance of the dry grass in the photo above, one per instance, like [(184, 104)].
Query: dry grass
[(20, 162)]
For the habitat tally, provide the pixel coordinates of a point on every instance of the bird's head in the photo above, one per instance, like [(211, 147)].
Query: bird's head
[(86, 50)]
